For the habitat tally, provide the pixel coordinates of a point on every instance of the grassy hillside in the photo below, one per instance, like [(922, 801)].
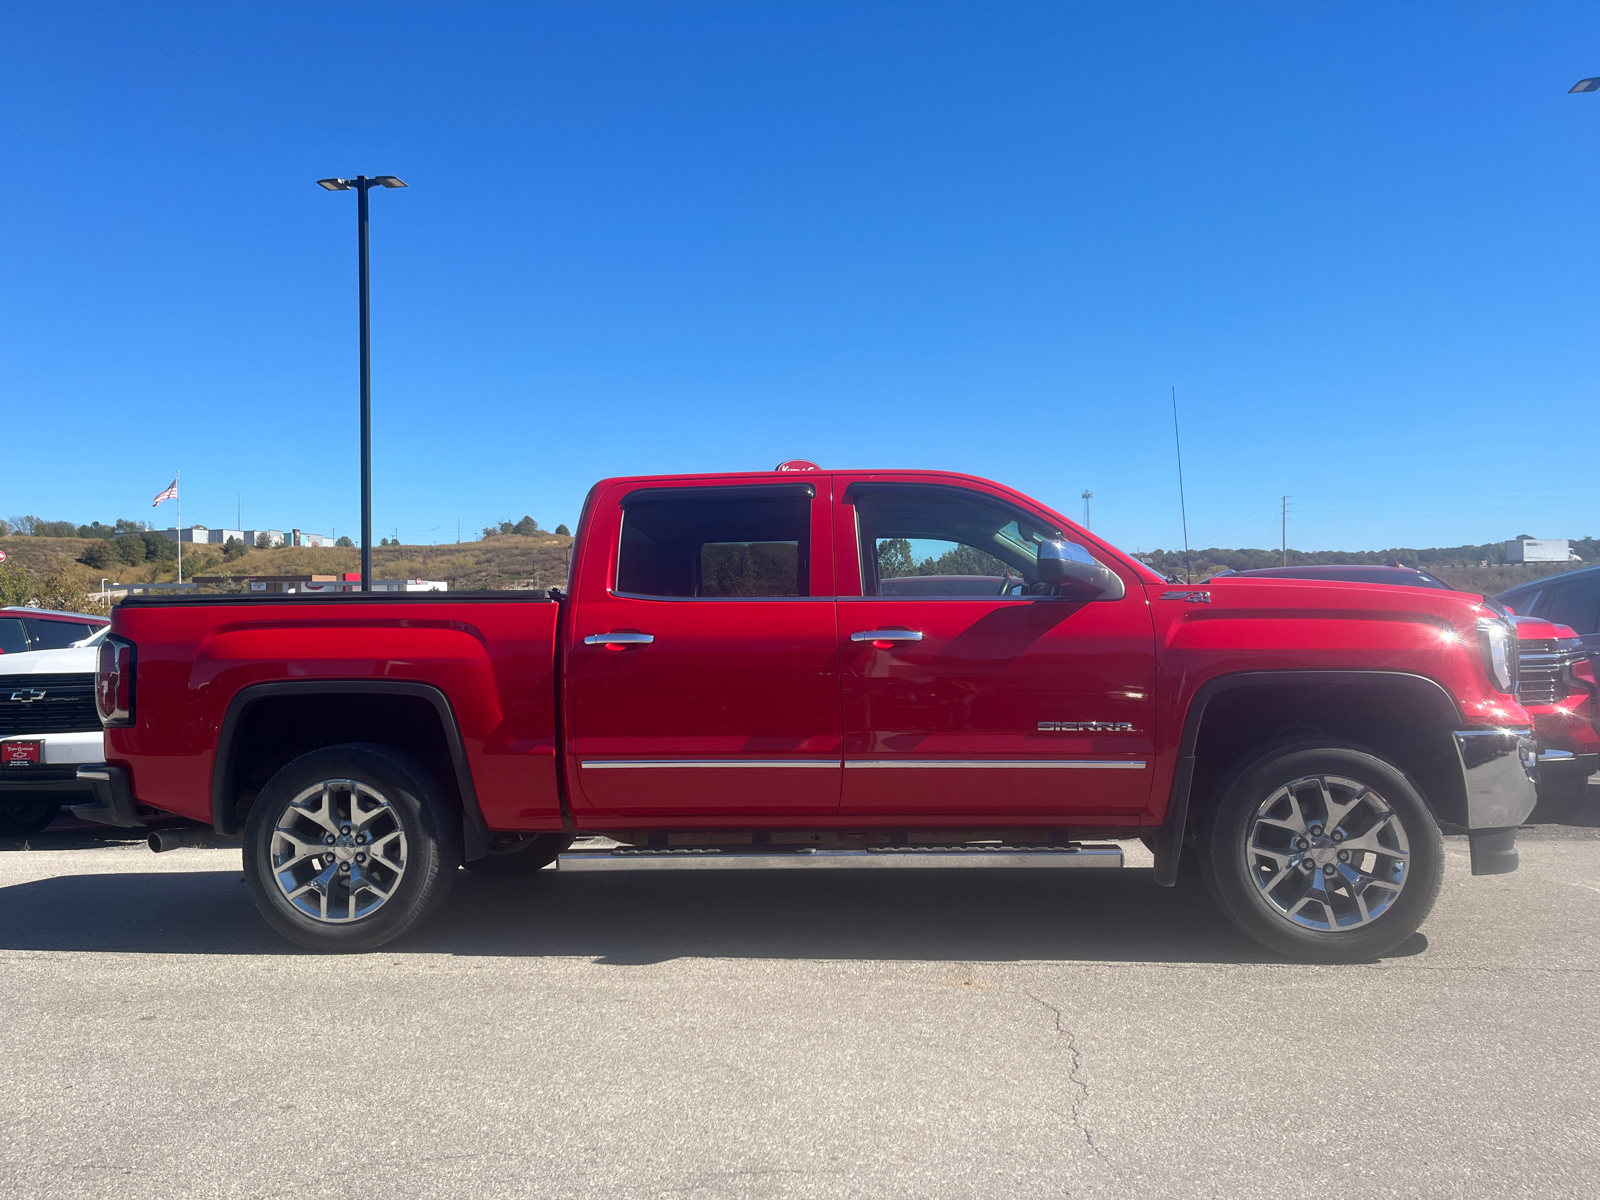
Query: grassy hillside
[(509, 562), (513, 562)]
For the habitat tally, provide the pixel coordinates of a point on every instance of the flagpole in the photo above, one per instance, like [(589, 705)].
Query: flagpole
[(176, 479)]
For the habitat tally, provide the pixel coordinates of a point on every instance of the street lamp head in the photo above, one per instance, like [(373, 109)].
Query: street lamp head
[(334, 185), (1585, 85), (389, 181)]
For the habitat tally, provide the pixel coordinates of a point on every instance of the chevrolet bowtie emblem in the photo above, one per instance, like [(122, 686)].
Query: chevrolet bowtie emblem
[(28, 695)]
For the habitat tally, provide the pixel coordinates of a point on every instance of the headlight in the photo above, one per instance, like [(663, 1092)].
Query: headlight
[(1498, 642)]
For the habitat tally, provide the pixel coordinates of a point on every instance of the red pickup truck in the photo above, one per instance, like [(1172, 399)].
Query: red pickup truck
[(807, 665)]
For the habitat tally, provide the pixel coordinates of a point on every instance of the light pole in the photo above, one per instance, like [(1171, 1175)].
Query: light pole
[(1087, 496), (1585, 85), (362, 184)]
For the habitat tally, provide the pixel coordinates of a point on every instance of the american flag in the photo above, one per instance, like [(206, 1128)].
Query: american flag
[(170, 494)]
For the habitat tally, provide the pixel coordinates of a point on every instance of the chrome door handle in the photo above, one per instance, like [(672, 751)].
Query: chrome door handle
[(887, 635), (619, 639)]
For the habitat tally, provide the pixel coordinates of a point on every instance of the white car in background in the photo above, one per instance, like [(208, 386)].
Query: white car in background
[(48, 723)]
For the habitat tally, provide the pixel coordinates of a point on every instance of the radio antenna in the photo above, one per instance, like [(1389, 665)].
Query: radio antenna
[(1183, 508)]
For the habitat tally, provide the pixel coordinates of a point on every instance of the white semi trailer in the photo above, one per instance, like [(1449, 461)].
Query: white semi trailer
[(1541, 550)]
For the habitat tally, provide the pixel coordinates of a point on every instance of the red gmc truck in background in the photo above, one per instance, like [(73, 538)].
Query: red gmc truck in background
[(913, 667)]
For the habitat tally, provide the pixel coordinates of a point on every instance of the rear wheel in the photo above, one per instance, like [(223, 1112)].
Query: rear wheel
[(520, 853), (349, 847), (20, 820), (1325, 853)]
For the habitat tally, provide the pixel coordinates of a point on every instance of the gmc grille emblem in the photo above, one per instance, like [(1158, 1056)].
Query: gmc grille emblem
[(28, 695)]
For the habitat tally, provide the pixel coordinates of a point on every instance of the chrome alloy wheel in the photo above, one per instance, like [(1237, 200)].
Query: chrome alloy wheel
[(338, 851), (1327, 853)]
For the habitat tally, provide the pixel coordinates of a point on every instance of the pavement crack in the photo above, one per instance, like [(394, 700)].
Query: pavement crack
[(1074, 1073)]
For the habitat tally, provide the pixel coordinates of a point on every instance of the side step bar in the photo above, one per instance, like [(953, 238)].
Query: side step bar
[(745, 859)]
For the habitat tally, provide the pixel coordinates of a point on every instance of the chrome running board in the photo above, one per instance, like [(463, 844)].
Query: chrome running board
[(744, 858)]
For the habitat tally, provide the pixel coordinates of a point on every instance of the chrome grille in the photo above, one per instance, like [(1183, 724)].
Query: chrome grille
[(1542, 678), (47, 704)]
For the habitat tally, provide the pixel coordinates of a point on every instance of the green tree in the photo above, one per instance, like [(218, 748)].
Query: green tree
[(234, 548), (98, 554), (55, 529), (158, 547), (527, 527), (130, 549), (346, 542), (563, 531), (894, 559)]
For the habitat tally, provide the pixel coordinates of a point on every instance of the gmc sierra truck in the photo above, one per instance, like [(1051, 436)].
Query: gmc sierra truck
[(830, 667)]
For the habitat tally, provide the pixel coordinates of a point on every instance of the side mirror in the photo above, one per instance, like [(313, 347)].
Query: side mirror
[(1067, 566)]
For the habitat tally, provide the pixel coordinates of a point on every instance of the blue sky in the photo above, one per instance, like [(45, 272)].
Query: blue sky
[(1360, 239)]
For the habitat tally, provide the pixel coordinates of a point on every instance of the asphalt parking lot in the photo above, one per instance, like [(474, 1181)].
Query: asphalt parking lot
[(786, 1034)]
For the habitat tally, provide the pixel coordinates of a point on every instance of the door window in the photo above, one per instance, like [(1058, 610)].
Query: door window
[(933, 542), (54, 635), (12, 638), (716, 543), (1576, 603)]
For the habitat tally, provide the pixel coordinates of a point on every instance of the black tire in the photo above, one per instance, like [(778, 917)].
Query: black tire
[(1560, 798), (520, 853), (1241, 855), (21, 820), (417, 827)]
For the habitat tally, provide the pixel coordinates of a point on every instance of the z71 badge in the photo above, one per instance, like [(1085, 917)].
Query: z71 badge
[(1085, 726)]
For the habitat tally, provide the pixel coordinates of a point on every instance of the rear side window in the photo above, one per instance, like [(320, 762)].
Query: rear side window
[(717, 543), (54, 635), (12, 639), (1576, 603)]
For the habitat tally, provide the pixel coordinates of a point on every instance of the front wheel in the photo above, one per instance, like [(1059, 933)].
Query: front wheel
[(350, 846), (1324, 853)]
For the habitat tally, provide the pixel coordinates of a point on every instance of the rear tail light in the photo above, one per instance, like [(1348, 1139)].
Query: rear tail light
[(113, 684)]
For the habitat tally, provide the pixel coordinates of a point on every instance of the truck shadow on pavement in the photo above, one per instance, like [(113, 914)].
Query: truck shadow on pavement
[(652, 917)]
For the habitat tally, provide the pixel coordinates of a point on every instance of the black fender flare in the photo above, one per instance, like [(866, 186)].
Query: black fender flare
[(1169, 838), (223, 817)]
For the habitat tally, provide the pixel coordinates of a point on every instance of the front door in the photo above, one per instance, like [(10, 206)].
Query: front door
[(971, 692), (704, 658)]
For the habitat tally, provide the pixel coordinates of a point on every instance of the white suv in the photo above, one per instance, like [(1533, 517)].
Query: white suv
[(48, 723)]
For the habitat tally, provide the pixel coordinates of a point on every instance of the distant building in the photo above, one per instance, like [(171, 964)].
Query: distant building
[(298, 538), (189, 533), (252, 537)]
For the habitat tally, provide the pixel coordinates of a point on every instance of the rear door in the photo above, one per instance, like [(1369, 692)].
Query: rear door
[(970, 692), (703, 653)]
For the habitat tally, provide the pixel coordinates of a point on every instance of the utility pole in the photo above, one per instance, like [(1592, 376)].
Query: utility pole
[(1286, 531), (1087, 496), (361, 185)]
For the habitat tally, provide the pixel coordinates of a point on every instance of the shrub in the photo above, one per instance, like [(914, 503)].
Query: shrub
[(54, 529), (263, 540), (346, 542), (98, 554), (234, 548), (56, 590), (130, 550), (563, 531), (16, 585)]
